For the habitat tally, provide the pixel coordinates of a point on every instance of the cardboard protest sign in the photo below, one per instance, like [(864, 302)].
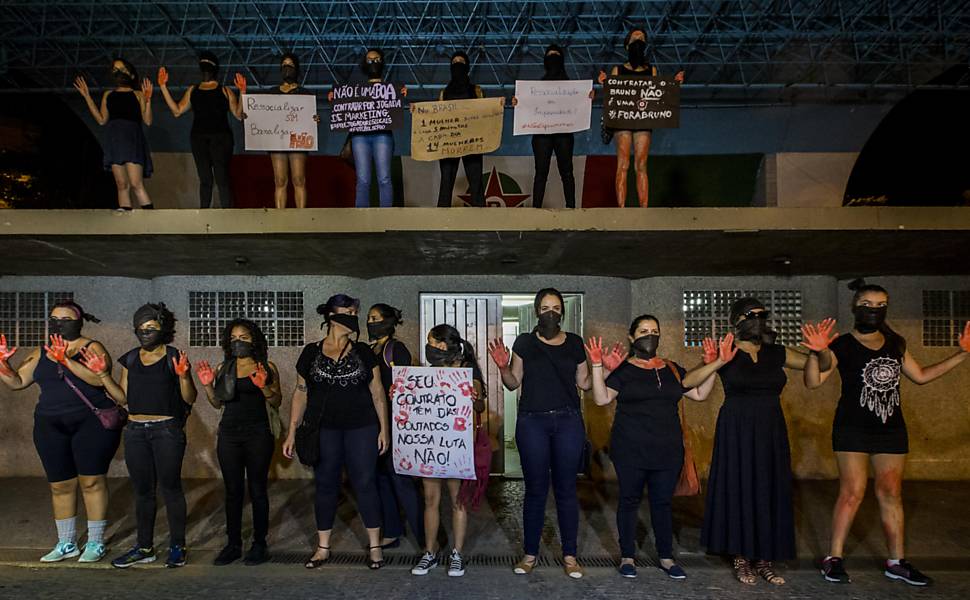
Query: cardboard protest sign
[(280, 122), (453, 128), (366, 108), (552, 107), (637, 103)]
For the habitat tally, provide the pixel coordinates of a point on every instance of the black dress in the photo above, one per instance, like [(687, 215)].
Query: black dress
[(749, 491)]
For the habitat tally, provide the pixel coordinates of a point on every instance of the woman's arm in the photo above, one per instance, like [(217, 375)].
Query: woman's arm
[(582, 376), (701, 392), (298, 404), (23, 376), (380, 405), (478, 398), (510, 367), (273, 392), (602, 395), (146, 101), (206, 377), (821, 361), (235, 104), (183, 369), (57, 353), (921, 375), (100, 114), (699, 374), (98, 364)]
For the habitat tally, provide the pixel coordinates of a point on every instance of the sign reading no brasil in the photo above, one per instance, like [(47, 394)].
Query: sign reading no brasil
[(280, 122), (453, 128), (432, 422), (366, 107), (636, 103)]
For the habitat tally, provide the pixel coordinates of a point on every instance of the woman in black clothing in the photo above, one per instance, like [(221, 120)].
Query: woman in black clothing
[(869, 425), (339, 392), (549, 364), (210, 137), (74, 448), (246, 386), (122, 111), (748, 510), (646, 442), (397, 491), (156, 385)]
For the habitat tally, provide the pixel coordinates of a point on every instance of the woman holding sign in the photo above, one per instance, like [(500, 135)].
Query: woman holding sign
[(635, 66), (446, 348), (460, 87), (549, 365), (339, 419)]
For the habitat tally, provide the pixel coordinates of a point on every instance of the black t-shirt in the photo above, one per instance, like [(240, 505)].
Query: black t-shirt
[(870, 386), (549, 372), (646, 429), (399, 356), (153, 389), (246, 413), (340, 386)]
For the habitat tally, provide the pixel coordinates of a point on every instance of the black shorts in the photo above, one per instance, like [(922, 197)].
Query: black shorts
[(74, 444), (870, 440)]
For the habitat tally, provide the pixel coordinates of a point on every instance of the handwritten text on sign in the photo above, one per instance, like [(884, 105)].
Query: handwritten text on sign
[(432, 422), (635, 103), (552, 106), (280, 122), (453, 128), (364, 108)]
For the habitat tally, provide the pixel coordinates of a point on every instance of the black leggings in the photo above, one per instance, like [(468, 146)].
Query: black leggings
[(74, 444), (660, 487), (542, 148), (473, 172), (212, 153), (355, 449), (246, 459), (153, 453)]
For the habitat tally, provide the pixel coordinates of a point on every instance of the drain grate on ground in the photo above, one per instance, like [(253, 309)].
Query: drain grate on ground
[(499, 561)]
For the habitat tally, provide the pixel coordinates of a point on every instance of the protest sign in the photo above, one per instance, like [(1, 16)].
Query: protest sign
[(366, 108), (552, 107), (453, 128), (637, 103), (280, 122)]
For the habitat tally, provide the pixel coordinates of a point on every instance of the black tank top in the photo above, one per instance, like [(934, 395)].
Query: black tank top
[(124, 106), (56, 397), (153, 389), (623, 70), (210, 108), (246, 413)]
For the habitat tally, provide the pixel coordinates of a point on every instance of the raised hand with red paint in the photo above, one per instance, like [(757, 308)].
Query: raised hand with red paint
[(710, 350), (818, 337), (5, 351), (965, 338), (259, 376), (181, 364), (96, 363), (726, 348), (240, 81), (594, 347), (57, 351), (205, 372), (499, 353), (615, 358)]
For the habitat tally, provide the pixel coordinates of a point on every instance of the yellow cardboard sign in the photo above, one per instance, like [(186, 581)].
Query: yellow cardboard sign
[(453, 128)]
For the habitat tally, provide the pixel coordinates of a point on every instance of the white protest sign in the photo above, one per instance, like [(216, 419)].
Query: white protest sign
[(280, 122), (432, 422), (552, 106)]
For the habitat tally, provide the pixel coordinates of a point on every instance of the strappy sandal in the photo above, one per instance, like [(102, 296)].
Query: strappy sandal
[(313, 563), (372, 564), (763, 568), (743, 572), (524, 567)]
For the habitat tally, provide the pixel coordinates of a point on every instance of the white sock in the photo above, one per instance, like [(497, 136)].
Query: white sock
[(96, 531), (66, 529), (892, 562)]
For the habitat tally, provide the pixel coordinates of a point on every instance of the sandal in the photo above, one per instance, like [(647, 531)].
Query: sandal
[(763, 568), (313, 563), (372, 564), (524, 567), (743, 572)]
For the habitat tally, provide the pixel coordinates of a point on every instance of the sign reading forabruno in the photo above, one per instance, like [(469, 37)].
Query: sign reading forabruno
[(453, 128), (280, 122), (637, 103), (552, 107), (432, 422), (366, 108)]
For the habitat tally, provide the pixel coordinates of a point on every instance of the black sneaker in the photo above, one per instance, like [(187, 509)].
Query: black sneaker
[(428, 561), (229, 554), (833, 570), (456, 564), (257, 555), (176, 556), (134, 556), (906, 572)]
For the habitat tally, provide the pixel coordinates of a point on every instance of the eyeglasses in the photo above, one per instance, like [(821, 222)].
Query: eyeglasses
[(757, 314)]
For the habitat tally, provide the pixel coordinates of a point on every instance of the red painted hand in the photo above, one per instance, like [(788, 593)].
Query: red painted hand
[(615, 358), (460, 424), (965, 338), (240, 81), (726, 348), (5, 351), (57, 351), (594, 347), (162, 77), (259, 376), (94, 362), (181, 364), (818, 337), (499, 353), (426, 470), (710, 350), (206, 374)]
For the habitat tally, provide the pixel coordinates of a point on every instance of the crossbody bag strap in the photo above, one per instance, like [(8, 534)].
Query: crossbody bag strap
[(566, 386), (70, 384)]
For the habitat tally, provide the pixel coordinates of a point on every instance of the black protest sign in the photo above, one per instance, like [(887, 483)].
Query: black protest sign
[(637, 103), (366, 107)]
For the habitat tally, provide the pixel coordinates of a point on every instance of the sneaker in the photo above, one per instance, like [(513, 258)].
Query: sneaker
[(675, 571), (134, 556), (428, 561), (61, 551), (456, 565), (906, 572), (257, 555), (176, 556), (833, 569), (93, 552), (229, 554), (627, 570)]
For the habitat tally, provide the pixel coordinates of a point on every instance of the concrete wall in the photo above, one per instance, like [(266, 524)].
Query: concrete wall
[(937, 414)]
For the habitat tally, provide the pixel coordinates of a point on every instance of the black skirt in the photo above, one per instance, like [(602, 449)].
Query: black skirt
[(869, 440), (125, 142)]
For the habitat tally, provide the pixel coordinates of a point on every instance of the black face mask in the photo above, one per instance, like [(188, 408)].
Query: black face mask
[(636, 51), (349, 321), (549, 324), (752, 329), (645, 346), (241, 348), (440, 358), (289, 73), (69, 329), (869, 319), (209, 71), (373, 69), (554, 64), (378, 329), (459, 71), (149, 338), (121, 78)]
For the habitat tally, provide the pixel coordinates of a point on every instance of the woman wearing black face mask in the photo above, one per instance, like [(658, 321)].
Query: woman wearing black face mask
[(340, 397), (156, 385), (752, 457), (636, 65), (397, 491), (869, 427), (74, 448), (122, 111), (211, 137), (646, 443), (246, 386), (549, 364)]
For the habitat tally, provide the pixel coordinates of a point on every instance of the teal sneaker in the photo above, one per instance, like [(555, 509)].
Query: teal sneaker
[(93, 552), (61, 551), (134, 556)]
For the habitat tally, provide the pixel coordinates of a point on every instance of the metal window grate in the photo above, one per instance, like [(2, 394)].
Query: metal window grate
[(278, 314), (706, 313), (944, 314), (23, 316)]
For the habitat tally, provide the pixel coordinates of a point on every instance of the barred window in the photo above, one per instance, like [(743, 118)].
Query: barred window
[(278, 314), (944, 314), (23, 316), (706, 313)]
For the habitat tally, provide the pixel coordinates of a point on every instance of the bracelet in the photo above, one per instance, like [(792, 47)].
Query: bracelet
[(594, 365)]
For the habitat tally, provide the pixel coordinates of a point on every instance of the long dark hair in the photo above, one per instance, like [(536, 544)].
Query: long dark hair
[(537, 303), (260, 347), (389, 313), (334, 302), (859, 287), (451, 338), (132, 71)]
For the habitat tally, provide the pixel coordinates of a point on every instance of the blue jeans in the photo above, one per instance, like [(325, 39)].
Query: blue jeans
[(380, 147), (550, 443)]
